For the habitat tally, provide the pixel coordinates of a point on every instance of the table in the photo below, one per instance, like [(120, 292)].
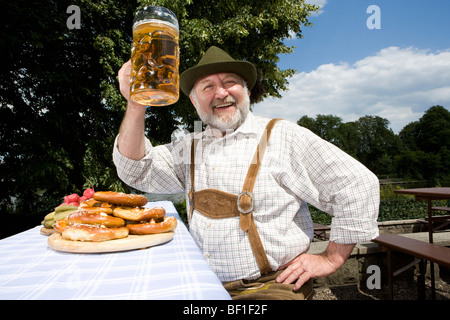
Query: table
[(176, 270), (428, 195), (320, 230), (421, 250)]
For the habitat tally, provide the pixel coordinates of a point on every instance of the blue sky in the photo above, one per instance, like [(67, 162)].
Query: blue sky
[(346, 69), (340, 32)]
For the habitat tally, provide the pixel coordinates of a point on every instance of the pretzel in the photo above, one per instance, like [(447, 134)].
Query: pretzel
[(85, 232), (139, 214), (95, 206), (167, 224), (121, 199), (94, 218), (60, 225)]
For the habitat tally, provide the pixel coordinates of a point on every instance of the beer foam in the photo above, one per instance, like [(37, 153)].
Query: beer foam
[(155, 21)]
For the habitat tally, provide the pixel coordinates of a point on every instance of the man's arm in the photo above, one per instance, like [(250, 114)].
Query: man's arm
[(338, 184), (131, 139), (306, 266)]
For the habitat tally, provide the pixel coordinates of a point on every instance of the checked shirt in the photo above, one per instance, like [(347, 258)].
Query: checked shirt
[(299, 169)]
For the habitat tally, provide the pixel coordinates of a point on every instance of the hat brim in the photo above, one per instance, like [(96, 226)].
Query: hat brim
[(244, 69)]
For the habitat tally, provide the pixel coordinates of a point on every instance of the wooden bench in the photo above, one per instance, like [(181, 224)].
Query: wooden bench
[(443, 221), (445, 208), (422, 251), (320, 231)]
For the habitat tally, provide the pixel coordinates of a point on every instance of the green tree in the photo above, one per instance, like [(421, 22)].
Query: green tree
[(307, 122), (325, 126), (407, 135), (58, 116), (433, 130), (426, 145), (251, 30), (350, 138), (377, 144), (60, 103), (368, 139)]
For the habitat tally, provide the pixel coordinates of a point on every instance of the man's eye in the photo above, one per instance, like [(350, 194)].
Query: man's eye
[(230, 83)]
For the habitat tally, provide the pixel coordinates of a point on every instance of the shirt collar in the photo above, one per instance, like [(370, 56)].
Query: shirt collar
[(248, 127)]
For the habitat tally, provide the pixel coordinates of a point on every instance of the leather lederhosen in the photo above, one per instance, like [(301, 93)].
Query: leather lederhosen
[(218, 204)]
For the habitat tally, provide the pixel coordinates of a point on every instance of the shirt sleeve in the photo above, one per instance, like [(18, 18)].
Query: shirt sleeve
[(161, 170), (336, 183)]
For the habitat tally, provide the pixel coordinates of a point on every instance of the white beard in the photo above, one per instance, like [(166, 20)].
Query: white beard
[(228, 123)]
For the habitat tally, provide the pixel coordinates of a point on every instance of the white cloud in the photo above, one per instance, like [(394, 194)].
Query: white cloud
[(398, 84)]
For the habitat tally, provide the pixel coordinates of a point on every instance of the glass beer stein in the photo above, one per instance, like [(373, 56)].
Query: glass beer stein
[(154, 79)]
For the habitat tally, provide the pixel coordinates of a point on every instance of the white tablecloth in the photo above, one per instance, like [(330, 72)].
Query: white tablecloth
[(176, 270)]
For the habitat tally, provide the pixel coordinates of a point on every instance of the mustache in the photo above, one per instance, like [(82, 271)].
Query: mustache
[(228, 100)]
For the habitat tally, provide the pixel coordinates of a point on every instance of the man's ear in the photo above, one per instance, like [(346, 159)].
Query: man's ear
[(192, 100)]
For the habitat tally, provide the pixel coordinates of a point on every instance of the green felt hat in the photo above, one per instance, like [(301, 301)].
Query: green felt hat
[(216, 60)]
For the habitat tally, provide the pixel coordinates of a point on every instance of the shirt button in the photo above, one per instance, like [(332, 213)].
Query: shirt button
[(207, 255)]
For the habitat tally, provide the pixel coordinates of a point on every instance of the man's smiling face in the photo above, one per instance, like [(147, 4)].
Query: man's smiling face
[(222, 100)]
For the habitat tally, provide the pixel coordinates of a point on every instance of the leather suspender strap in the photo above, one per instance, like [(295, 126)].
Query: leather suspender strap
[(218, 204), (192, 191), (245, 202)]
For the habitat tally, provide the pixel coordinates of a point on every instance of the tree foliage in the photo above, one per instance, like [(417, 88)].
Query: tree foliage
[(58, 115), (60, 103), (426, 146), (419, 151), (251, 30)]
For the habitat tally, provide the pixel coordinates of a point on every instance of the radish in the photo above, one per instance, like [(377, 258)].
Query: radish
[(73, 198), (89, 192)]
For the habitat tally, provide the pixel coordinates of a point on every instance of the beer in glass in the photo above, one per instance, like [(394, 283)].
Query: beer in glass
[(154, 79)]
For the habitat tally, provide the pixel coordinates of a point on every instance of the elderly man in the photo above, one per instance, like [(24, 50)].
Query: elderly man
[(249, 181)]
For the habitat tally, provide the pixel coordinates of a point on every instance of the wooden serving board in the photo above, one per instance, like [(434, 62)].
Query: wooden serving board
[(56, 242), (47, 232)]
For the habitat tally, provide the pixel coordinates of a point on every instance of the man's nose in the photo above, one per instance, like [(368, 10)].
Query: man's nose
[(221, 93)]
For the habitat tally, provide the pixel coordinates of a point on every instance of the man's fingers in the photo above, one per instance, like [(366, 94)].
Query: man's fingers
[(124, 79), (290, 275), (294, 275), (304, 277)]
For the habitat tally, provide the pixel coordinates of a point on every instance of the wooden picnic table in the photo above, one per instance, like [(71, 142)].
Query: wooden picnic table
[(428, 195)]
